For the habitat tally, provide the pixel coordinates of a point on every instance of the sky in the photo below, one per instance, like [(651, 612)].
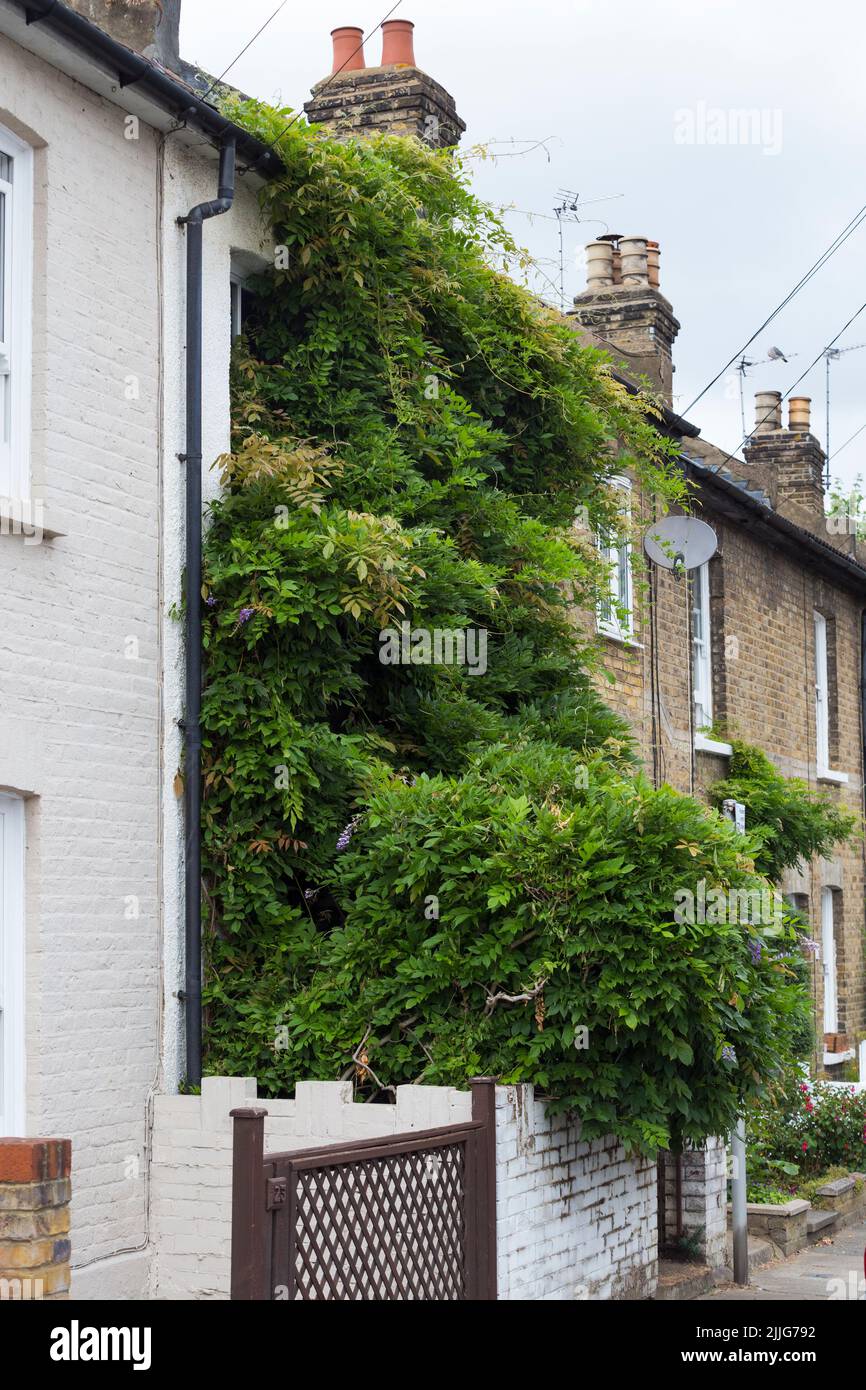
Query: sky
[(730, 131)]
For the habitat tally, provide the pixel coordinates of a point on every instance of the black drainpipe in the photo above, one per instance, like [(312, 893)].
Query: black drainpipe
[(194, 222)]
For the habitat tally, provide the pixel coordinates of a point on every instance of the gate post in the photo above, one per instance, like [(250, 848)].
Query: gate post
[(248, 1204), (483, 1090)]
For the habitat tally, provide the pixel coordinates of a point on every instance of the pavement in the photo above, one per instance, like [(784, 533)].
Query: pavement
[(830, 1270)]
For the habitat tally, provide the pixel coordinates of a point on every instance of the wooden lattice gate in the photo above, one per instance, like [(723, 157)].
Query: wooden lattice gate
[(410, 1216)]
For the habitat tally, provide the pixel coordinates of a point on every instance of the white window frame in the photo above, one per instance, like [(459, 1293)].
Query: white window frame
[(702, 649), (12, 1068), (822, 695), (828, 960), (17, 333), (621, 581), (236, 286)]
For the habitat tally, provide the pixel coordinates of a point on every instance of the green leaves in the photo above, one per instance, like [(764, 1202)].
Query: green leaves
[(462, 868)]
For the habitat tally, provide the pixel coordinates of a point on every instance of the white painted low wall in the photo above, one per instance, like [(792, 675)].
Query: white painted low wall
[(574, 1219), (191, 1173)]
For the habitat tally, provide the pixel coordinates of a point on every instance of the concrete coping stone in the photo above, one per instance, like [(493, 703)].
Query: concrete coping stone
[(836, 1187), (795, 1207)]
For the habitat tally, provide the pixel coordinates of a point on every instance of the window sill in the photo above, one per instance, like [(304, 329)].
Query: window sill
[(622, 639), (826, 774), (29, 522), (835, 1059), (712, 745)]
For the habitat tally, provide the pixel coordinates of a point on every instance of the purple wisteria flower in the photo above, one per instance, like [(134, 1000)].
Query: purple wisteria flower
[(810, 947), (728, 1054), (346, 834), (245, 615), (210, 601), (756, 948)]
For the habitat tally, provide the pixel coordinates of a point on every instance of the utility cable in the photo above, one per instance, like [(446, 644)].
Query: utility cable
[(813, 270)]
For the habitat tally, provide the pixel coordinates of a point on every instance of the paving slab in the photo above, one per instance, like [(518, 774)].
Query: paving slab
[(830, 1270)]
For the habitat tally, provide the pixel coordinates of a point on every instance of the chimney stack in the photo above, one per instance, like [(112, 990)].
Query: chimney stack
[(791, 460), (149, 27), (624, 308), (395, 98)]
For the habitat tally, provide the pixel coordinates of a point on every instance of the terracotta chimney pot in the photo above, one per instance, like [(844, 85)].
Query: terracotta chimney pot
[(799, 413), (397, 47), (348, 49), (652, 257)]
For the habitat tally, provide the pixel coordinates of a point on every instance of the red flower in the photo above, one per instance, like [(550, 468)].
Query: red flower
[(805, 1146)]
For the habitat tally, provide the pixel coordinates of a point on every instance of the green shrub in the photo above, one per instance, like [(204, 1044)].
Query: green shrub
[(807, 1127), (785, 819), (413, 438)]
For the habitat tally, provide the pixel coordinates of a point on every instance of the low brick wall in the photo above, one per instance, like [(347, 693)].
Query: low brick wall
[(845, 1196), (704, 1195), (783, 1225), (575, 1220), (191, 1172), (35, 1191)]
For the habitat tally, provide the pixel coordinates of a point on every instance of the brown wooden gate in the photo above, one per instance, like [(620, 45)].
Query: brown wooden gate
[(409, 1216)]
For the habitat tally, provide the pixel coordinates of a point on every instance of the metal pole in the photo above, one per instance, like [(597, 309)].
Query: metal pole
[(738, 1202)]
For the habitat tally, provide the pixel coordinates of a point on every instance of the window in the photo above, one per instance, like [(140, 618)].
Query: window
[(615, 616), (242, 305), (822, 693), (702, 656), (826, 701), (16, 205), (11, 965), (828, 956)]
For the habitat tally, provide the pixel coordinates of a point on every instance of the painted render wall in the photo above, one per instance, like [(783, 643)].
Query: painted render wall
[(80, 646)]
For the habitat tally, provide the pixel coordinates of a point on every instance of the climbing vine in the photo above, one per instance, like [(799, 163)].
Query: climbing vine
[(426, 868)]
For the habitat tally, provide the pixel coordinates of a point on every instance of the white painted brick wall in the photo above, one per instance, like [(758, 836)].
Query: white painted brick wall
[(191, 1174), (575, 1219), (704, 1198), (88, 734), (80, 719)]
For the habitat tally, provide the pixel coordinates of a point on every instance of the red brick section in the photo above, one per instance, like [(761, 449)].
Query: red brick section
[(35, 1160), (35, 1191)]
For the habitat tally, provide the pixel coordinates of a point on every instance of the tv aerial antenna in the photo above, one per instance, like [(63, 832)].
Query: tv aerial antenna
[(569, 205), (831, 354)]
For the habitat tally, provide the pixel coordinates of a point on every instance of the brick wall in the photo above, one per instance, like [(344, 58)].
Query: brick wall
[(35, 1189), (704, 1200), (192, 1162), (79, 645), (762, 603), (575, 1219)]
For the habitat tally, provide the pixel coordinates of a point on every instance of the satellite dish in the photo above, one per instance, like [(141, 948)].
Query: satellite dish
[(680, 543)]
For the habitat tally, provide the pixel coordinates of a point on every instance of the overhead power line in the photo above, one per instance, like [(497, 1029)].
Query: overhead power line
[(813, 270), (795, 384), (237, 58), (848, 441)]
